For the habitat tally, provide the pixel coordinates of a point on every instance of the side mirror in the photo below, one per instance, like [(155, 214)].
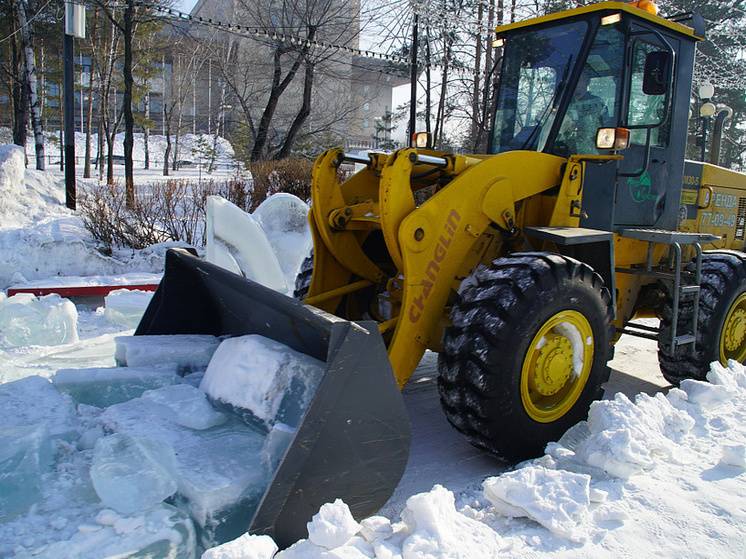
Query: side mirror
[(657, 73)]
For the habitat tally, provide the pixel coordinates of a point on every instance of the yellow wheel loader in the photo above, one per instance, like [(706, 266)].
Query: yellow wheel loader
[(521, 267)]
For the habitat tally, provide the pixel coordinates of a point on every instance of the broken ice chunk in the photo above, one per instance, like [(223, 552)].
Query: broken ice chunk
[(188, 352), (194, 378), (219, 473), (125, 307), (275, 445), (163, 531), (132, 475), (188, 405), (264, 377), (29, 320), (25, 454), (284, 218), (34, 401), (107, 386)]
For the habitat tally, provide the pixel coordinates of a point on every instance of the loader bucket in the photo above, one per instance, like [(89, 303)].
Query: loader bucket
[(353, 442)]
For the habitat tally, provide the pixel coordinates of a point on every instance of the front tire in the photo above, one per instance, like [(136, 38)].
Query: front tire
[(527, 352), (721, 323), (303, 279)]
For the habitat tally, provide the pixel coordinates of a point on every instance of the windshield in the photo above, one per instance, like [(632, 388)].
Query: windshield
[(536, 68)]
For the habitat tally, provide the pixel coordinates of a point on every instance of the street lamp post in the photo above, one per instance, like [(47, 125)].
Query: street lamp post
[(706, 110)]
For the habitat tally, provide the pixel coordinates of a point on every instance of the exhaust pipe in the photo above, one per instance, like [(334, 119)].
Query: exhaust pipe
[(717, 133)]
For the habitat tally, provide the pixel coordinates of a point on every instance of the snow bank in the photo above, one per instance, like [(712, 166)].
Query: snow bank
[(12, 173), (610, 487), (41, 238), (29, 320)]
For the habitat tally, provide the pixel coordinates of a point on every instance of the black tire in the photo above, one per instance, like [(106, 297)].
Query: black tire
[(499, 310), (723, 280), (303, 279)]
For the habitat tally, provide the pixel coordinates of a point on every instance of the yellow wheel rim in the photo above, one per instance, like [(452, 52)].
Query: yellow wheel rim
[(556, 366), (733, 334)]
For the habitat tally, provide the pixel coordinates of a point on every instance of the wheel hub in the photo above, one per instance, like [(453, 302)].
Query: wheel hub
[(553, 366), (735, 330)]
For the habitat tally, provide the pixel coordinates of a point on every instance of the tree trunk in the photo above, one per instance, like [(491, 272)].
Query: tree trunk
[(89, 112), (480, 144), (20, 114), (277, 89), (110, 160), (477, 74), (30, 81), (100, 148), (167, 153), (129, 120), (428, 81), (146, 128), (302, 115)]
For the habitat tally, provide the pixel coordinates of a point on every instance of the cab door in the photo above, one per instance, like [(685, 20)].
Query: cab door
[(649, 165)]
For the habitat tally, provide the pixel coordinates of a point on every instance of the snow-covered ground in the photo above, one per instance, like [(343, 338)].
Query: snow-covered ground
[(135, 459)]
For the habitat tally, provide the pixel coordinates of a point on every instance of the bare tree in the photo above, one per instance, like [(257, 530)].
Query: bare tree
[(29, 65)]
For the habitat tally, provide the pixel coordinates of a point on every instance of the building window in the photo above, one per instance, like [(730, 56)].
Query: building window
[(365, 122), (366, 107)]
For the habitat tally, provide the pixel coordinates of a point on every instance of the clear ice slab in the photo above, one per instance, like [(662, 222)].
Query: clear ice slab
[(103, 387), (218, 470), (132, 474), (25, 456), (29, 320), (188, 352), (33, 401)]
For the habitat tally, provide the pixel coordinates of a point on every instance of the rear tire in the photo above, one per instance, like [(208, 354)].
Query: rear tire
[(493, 344), (303, 279), (723, 292)]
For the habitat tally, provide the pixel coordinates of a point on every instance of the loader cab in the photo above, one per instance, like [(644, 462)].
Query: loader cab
[(567, 75)]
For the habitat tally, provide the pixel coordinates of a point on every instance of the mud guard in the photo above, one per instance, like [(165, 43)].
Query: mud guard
[(353, 442)]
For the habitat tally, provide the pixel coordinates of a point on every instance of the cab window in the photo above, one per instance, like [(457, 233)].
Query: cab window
[(645, 109), (596, 97)]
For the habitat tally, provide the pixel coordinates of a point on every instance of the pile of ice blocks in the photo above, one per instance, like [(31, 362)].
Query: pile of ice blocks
[(164, 455)]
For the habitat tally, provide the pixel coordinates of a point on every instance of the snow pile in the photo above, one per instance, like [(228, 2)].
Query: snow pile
[(556, 499), (125, 307), (29, 320), (673, 465), (263, 377), (41, 238), (246, 547), (12, 173)]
